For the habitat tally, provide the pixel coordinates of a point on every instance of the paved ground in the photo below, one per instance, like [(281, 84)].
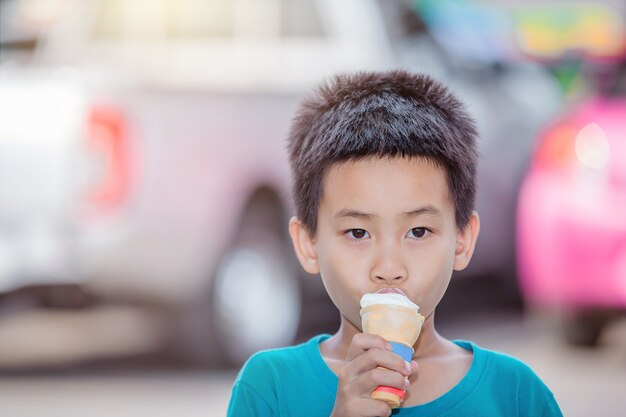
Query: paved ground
[(584, 382)]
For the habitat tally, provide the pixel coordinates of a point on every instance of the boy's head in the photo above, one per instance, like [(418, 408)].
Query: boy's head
[(384, 168), (376, 115)]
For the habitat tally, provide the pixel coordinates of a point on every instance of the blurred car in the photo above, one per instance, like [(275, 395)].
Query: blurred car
[(142, 156), (572, 205)]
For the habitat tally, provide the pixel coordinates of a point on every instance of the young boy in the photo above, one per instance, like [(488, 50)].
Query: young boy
[(384, 168)]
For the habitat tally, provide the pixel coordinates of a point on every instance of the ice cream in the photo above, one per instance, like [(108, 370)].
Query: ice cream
[(391, 315)]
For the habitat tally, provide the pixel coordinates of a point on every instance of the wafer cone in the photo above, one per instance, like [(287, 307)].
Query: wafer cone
[(399, 325)]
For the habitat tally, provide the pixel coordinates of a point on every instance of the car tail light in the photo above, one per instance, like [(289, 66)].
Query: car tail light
[(556, 149), (570, 146), (108, 148)]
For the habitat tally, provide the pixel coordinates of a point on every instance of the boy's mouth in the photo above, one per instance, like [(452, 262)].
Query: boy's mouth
[(391, 291)]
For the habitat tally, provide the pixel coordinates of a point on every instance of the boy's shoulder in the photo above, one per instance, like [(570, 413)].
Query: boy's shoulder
[(277, 363), (506, 380), (499, 362), (282, 381)]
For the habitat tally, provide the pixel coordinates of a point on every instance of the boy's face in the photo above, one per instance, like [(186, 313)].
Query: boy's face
[(385, 223)]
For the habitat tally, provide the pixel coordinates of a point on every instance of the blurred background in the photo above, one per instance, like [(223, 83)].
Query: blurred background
[(144, 190)]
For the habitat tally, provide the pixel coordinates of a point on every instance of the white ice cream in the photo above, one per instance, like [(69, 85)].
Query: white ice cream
[(388, 298)]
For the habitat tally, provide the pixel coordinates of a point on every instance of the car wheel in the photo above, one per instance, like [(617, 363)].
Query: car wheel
[(253, 297), (256, 295), (584, 328)]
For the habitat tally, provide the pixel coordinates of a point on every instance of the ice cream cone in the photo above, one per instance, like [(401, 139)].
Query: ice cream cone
[(398, 324), (393, 323)]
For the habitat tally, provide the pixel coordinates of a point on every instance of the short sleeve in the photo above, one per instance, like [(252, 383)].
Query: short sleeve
[(552, 409), (245, 402), (254, 390)]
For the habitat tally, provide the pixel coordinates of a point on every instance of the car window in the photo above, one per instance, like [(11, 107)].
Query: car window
[(136, 20), (200, 18), (163, 19), (301, 18)]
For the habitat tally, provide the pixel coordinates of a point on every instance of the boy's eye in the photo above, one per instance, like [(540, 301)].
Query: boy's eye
[(418, 232), (357, 234)]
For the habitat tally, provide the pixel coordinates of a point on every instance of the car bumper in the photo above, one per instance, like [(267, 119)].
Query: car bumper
[(36, 256)]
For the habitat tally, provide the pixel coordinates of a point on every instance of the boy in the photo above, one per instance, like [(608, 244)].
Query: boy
[(384, 168)]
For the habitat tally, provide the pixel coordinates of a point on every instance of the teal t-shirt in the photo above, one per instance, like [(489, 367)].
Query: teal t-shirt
[(295, 381)]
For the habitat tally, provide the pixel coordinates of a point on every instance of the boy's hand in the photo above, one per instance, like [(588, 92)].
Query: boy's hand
[(361, 375)]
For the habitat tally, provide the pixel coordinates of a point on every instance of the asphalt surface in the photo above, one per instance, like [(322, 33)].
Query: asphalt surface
[(585, 382)]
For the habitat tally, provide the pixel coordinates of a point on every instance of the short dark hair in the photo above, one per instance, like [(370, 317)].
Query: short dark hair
[(381, 114)]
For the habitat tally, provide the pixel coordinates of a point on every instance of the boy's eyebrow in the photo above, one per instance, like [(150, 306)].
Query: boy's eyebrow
[(429, 210), (353, 213)]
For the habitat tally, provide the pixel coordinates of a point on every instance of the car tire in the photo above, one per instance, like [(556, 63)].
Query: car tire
[(253, 297), (256, 297), (584, 328)]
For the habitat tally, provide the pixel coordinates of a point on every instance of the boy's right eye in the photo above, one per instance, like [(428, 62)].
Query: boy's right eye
[(357, 234)]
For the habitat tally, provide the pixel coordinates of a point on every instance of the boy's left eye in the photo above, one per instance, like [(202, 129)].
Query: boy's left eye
[(418, 232)]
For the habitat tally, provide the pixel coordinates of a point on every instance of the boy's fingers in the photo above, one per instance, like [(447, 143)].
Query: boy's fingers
[(362, 342), (374, 358), (379, 376)]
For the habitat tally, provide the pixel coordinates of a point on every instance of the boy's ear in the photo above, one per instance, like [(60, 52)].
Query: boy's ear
[(465, 242), (304, 245)]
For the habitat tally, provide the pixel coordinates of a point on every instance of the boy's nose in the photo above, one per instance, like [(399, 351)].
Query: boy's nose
[(389, 267)]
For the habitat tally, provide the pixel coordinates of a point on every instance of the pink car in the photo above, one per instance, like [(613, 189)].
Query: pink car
[(572, 218)]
